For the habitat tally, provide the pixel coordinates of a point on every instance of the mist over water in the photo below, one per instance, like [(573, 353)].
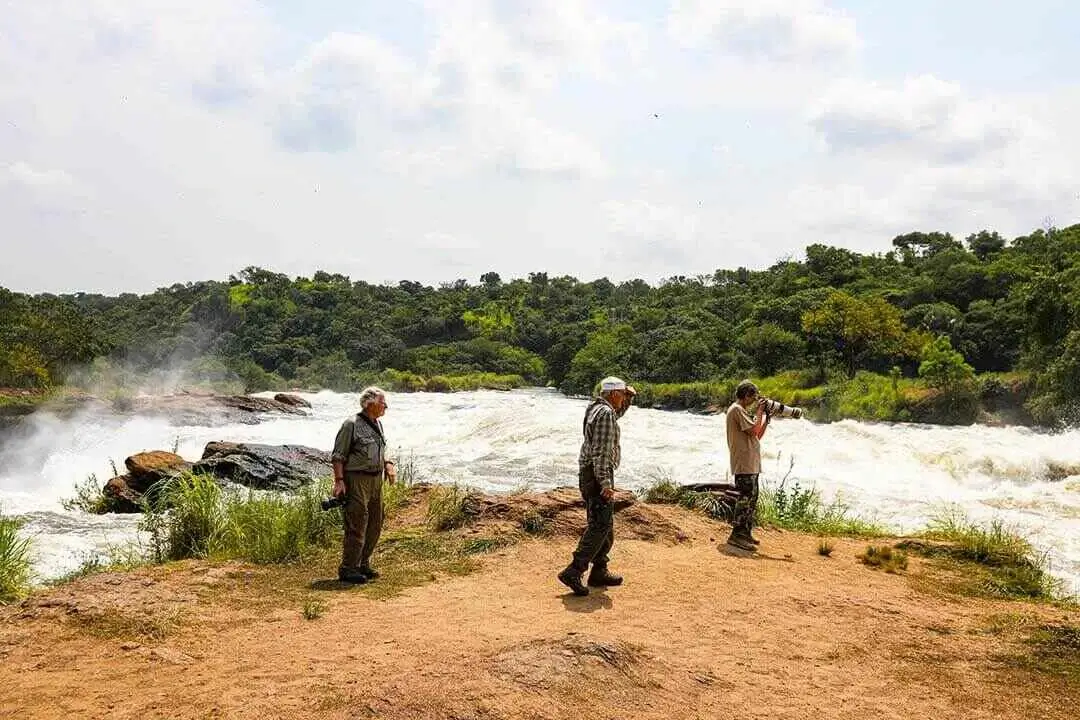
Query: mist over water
[(900, 475)]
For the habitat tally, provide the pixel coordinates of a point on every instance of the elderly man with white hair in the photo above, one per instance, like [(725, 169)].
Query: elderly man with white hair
[(597, 462), (360, 462)]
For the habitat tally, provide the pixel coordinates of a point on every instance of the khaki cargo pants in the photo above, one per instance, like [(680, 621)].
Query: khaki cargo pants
[(363, 518)]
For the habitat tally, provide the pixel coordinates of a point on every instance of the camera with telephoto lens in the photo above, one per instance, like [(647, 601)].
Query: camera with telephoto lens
[(332, 502), (772, 407)]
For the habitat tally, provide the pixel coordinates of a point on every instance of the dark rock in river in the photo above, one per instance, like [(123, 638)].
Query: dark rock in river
[(293, 400), (265, 467), (197, 409)]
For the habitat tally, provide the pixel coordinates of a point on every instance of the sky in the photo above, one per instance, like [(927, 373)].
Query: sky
[(145, 144)]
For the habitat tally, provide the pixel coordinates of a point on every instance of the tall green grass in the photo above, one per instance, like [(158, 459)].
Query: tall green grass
[(999, 561), (192, 516), (786, 506), (15, 559), (794, 507)]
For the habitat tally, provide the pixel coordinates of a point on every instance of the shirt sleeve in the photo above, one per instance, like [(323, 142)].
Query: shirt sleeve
[(743, 420), (343, 442), (604, 442)]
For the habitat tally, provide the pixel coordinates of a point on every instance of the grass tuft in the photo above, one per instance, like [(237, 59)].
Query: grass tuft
[(448, 507), (15, 561), (884, 557), (89, 497), (991, 560), (313, 609), (534, 522), (825, 547)]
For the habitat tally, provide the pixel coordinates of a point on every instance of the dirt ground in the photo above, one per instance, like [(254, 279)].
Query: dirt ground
[(696, 631)]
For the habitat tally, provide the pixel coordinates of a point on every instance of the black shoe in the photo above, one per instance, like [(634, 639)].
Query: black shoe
[(571, 578), (601, 578), (369, 572), (753, 539), (356, 578), (741, 542)]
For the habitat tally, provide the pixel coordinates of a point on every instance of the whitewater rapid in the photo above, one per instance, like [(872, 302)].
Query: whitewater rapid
[(899, 474)]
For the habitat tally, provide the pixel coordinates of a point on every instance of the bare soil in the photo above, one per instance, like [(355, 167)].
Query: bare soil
[(697, 631)]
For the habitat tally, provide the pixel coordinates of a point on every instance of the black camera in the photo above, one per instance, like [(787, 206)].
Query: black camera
[(333, 502)]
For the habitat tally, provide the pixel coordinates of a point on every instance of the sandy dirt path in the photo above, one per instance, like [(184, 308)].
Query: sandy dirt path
[(696, 632)]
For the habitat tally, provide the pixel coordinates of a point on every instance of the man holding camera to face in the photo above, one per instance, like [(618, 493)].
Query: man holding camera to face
[(359, 460), (744, 433)]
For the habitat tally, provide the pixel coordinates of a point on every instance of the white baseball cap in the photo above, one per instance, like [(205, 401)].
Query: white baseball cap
[(613, 383)]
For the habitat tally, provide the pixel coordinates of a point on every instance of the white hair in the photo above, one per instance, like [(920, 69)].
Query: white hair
[(370, 395)]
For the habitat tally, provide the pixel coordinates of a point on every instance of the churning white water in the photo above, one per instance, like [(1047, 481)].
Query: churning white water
[(901, 475)]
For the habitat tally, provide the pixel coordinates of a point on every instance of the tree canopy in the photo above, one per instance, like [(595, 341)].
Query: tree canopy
[(999, 305)]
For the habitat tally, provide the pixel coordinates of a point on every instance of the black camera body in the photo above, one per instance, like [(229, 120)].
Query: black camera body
[(333, 502)]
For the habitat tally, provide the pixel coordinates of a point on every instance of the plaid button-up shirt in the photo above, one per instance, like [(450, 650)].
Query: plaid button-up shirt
[(600, 447)]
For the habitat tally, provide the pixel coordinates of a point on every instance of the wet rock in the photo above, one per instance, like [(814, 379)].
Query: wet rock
[(265, 467), (293, 400), (120, 497)]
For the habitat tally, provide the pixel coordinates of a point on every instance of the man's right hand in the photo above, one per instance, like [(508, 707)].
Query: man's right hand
[(339, 487), (607, 493)]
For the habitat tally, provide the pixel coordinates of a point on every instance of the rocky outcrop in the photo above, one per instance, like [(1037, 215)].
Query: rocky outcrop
[(123, 492), (290, 399), (197, 409), (265, 467)]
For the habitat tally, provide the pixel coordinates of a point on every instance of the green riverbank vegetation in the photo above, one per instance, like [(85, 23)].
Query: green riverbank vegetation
[(932, 329)]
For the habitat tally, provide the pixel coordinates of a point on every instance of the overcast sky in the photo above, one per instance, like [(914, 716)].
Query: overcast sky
[(144, 142)]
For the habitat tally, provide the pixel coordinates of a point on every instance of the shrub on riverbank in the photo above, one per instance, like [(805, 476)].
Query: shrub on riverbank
[(15, 561), (192, 516), (989, 560), (866, 396)]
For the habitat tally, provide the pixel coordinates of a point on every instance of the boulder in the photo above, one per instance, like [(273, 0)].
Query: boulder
[(123, 492), (119, 496), (146, 468), (293, 400), (264, 467)]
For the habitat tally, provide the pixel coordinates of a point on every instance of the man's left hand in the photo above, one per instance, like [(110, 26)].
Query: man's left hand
[(391, 473), (607, 493)]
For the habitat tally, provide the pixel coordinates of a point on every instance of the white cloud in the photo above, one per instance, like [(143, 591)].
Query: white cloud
[(774, 30), (924, 115), (148, 144), (924, 153)]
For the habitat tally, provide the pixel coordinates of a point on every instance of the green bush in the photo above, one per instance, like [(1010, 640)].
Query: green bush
[(15, 559)]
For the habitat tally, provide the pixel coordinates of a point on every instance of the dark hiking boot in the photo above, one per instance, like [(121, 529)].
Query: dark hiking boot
[(571, 578), (753, 539), (352, 576), (600, 577), (741, 542), (369, 572)]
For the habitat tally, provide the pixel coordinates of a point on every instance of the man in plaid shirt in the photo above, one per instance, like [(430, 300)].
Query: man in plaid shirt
[(597, 461)]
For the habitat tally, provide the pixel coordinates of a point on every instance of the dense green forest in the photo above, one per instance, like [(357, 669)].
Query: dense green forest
[(925, 330)]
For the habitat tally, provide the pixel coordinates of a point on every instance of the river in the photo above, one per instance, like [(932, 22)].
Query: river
[(898, 474)]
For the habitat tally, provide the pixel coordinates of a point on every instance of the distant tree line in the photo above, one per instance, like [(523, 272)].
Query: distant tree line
[(931, 302)]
